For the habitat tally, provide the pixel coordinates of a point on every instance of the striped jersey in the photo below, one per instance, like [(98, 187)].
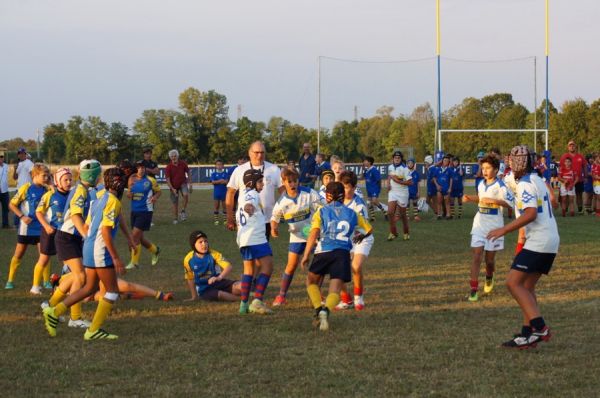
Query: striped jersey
[(78, 202), (489, 216), (142, 191), (52, 207), (104, 212), (201, 269), (297, 211), (336, 223)]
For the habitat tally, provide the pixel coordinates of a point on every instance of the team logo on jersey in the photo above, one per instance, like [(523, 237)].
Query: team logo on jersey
[(111, 216), (80, 201), (146, 184), (527, 197)]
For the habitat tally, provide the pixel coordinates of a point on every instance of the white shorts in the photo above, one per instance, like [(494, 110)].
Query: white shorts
[(488, 245), (566, 192), (363, 247), (597, 189), (399, 197)]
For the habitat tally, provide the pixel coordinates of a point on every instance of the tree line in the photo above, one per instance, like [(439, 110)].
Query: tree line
[(202, 131)]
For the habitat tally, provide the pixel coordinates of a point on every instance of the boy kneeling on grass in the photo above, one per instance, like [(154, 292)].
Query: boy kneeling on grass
[(204, 279), (333, 225)]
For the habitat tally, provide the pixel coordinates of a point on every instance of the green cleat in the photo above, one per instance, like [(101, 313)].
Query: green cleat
[(391, 237), (155, 256), (258, 307), (131, 266), (9, 285), (489, 285), (50, 320), (48, 285), (244, 307), (473, 297), (99, 334)]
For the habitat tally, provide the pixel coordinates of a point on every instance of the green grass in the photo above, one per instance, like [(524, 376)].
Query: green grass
[(418, 335)]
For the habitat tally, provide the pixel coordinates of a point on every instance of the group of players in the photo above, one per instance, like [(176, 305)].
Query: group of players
[(331, 226)]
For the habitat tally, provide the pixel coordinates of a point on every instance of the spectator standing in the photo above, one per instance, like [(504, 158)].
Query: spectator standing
[(307, 165), (578, 164), (177, 175), (4, 191), (151, 166)]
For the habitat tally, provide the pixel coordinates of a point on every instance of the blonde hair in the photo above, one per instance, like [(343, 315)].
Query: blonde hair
[(39, 168)]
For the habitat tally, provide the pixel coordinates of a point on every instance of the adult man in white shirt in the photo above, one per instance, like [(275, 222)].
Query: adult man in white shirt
[(272, 181), (23, 169), (4, 190)]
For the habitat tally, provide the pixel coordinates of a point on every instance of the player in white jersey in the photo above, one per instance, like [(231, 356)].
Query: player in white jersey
[(399, 178), (541, 245), (492, 196), (360, 251), (295, 206), (253, 243)]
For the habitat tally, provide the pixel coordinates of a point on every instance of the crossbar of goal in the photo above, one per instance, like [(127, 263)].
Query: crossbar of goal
[(534, 131)]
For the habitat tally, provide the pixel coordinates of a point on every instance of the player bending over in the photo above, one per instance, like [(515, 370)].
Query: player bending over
[(333, 226)]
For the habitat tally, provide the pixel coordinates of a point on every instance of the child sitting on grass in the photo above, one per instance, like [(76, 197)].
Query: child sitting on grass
[(206, 272)]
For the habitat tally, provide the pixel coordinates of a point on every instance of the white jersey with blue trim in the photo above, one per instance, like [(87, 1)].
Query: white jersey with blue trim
[(297, 211), (250, 228), (489, 216), (542, 233)]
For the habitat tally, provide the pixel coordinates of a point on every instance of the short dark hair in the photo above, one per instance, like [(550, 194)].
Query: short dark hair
[(369, 159), (491, 160)]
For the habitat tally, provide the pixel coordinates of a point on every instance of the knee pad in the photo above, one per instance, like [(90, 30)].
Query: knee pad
[(111, 296)]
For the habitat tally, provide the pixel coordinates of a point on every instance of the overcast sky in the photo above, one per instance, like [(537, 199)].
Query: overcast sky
[(116, 58)]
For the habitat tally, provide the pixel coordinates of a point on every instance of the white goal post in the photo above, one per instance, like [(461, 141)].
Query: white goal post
[(535, 132)]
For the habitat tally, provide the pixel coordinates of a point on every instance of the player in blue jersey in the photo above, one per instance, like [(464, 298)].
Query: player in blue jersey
[(443, 185), (206, 272), (431, 169), (143, 192), (457, 192), (100, 257), (413, 189), (533, 203), (373, 185), (588, 184), (295, 207), (219, 179), (333, 225), (50, 215), (23, 205)]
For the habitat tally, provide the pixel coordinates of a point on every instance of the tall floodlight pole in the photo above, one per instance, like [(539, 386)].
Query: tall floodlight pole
[(439, 88), (319, 104), (547, 52)]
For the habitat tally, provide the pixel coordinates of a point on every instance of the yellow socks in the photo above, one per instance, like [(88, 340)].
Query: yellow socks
[(38, 270), (101, 314), (314, 293), (47, 270), (14, 264), (57, 297), (332, 300), (60, 309), (153, 249), (76, 311), (135, 254)]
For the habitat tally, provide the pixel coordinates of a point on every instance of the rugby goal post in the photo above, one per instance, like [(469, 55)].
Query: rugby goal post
[(535, 132)]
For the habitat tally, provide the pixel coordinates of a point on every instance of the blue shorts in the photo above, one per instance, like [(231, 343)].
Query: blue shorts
[(297, 247), (219, 195), (373, 193), (588, 187), (443, 191), (141, 220), (457, 193), (255, 252), (529, 261)]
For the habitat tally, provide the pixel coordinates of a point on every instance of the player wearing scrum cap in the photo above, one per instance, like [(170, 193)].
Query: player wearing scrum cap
[(541, 245)]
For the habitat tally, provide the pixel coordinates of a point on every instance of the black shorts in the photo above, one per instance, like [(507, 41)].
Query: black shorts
[(47, 245), (529, 261), (268, 231), (68, 246), (141, 220), (579, 187), (336, 263), (28, 240), (211, 293)]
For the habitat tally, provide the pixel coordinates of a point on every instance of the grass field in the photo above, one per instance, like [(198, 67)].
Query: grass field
[(418, 335)]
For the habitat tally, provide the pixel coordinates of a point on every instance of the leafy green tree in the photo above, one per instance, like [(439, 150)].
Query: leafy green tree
[(158, 128), (54, 143)]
